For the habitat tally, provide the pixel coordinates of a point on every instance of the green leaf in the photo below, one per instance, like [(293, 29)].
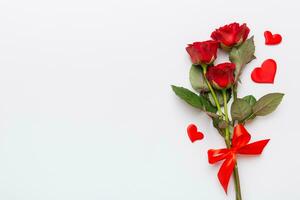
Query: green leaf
[(267, 104), (196, 79), (250, 99), (240, 110), (219, 97), (242, 55), (218, 124), (194, 99), (212, 115)]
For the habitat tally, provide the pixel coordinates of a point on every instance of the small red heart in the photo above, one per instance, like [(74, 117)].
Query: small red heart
[(193, 133), (272, 39), (265, 73)]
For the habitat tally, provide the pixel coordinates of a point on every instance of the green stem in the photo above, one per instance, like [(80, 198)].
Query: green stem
[(227, 141), (234, 94), (204, 67), (234, 91), (227, 134), (237, 183)]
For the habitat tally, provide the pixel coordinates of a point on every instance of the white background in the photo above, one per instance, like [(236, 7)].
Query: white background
[(87, 112)]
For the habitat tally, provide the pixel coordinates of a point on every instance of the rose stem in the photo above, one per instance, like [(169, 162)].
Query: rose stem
[(204, 67), (227, 134), (234, 94), (234, 91), (237, 183), (227, 141)]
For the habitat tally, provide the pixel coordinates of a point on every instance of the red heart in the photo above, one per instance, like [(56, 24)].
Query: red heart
[(193, 133), (271, 39), (265, 73)]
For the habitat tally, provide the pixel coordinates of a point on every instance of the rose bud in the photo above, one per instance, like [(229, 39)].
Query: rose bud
[(203, 52), (231, 35), (222, 75)]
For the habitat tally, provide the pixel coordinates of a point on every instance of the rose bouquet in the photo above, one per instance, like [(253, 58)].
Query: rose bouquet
[(217, 85)]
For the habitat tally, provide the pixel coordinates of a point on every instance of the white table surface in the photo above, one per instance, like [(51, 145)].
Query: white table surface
[(87, 112)]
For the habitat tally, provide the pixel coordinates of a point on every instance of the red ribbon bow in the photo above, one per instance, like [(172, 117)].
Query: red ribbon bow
[(240, 145)]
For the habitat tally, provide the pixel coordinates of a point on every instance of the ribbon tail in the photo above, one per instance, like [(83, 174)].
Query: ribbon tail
[(254, 148), (225, 172)]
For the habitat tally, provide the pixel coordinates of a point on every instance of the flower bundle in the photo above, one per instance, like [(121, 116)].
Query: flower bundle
[(216, 85)]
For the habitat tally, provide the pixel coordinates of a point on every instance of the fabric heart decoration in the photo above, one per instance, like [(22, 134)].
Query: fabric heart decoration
[(272, 39), (193, 133), (266, 73)]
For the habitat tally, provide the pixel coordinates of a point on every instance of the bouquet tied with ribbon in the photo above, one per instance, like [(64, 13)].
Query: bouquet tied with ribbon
[(216, 86)]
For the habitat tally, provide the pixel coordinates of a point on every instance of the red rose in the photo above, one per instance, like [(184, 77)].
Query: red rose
[(221, 75), (231, 35), (203, 52)]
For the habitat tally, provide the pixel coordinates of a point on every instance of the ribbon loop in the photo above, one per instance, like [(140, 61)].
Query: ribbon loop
[(217, 155)]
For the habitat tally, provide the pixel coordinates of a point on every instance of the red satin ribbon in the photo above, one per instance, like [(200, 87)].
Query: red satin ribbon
[(240, 145)]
